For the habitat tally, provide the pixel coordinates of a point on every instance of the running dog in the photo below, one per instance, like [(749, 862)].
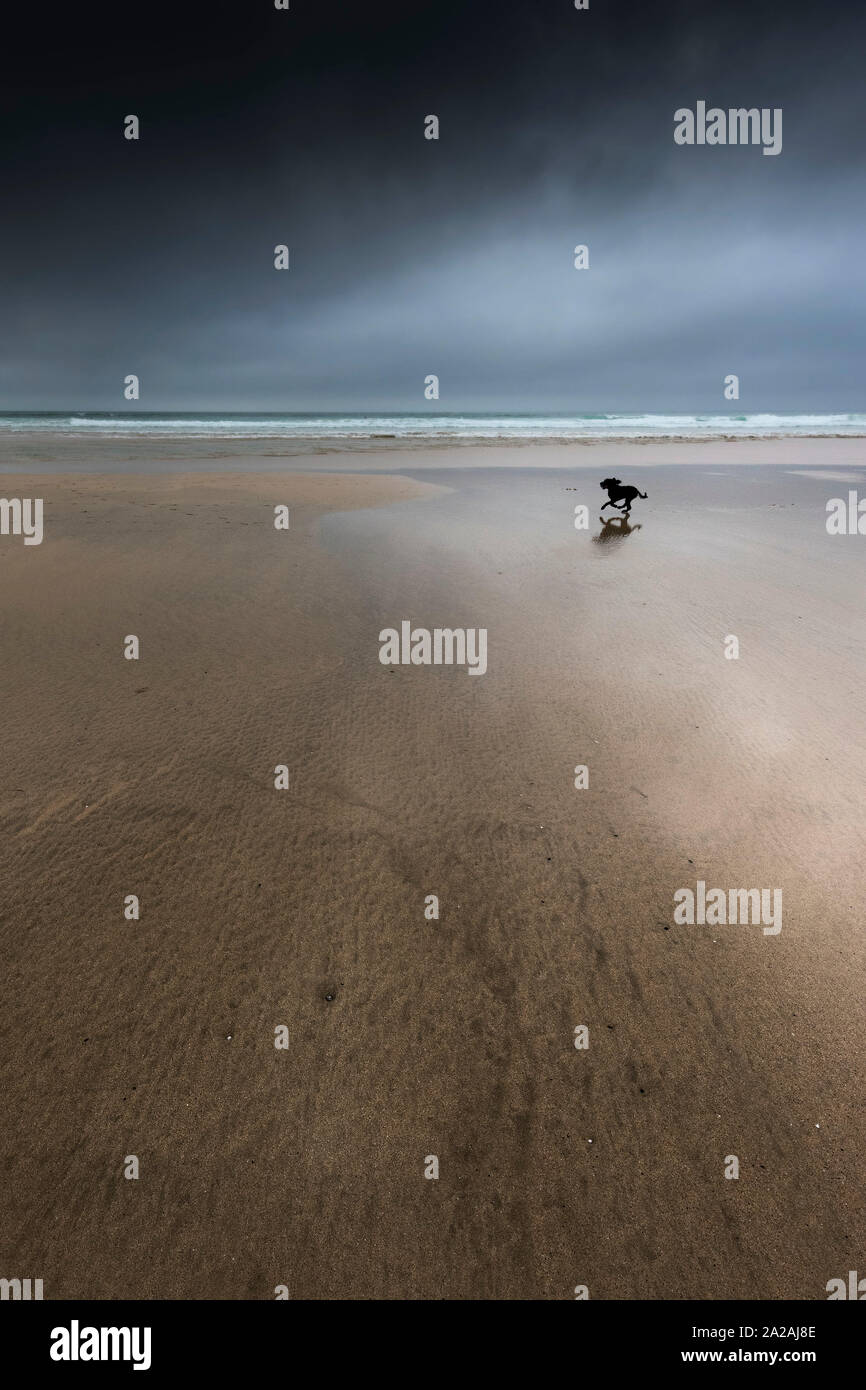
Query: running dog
[(619, 496)]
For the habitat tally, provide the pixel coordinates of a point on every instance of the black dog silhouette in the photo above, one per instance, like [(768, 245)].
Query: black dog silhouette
[(619, 496)]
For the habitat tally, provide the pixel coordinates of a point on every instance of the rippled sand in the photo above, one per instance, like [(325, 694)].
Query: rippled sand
[(410, 1037)]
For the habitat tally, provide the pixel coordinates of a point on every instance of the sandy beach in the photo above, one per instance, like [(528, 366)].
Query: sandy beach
[(305, 907)]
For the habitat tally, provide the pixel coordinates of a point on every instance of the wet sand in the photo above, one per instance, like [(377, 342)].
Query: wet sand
[(409, 1037), (97, 452)]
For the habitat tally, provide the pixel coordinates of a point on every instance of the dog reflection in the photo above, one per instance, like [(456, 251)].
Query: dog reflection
[(614, 530)]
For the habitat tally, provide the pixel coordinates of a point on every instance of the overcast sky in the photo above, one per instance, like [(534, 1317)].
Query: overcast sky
[(409, 256)]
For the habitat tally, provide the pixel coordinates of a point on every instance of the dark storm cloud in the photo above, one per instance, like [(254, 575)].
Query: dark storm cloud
[(412, 257)]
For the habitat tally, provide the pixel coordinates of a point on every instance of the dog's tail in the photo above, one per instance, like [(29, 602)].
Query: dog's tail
[(641, 494)]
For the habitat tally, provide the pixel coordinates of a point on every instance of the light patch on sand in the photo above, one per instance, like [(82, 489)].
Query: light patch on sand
[(822, 473)]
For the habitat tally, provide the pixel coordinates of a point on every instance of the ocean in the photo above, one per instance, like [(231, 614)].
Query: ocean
[(459, 428)]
